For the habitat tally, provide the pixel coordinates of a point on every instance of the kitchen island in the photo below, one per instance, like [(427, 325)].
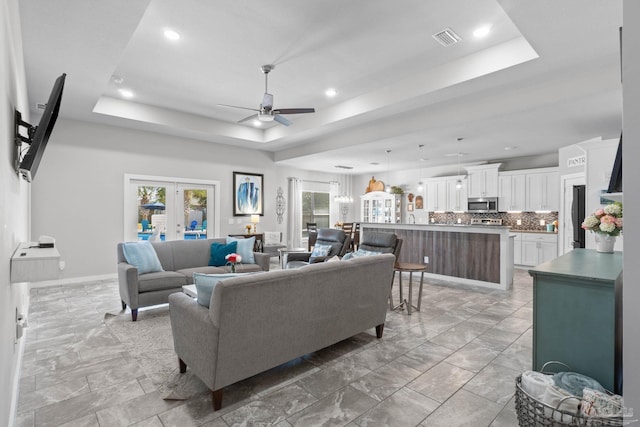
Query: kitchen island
[(480, 255)]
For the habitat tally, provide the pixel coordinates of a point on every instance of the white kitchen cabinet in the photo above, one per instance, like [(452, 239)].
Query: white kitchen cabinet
[(483, 180), (378, 207), (537, 248), (511, 192), (436, 195), (517, 249), (542, 191), (443, 196), (456, 197)]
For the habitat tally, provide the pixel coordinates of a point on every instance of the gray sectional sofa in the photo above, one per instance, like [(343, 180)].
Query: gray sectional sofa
[(259, 321), (180, 259)]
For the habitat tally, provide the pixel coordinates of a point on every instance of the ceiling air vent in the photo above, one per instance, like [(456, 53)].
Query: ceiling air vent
[(447, 37), (343, 167), (41, 105)]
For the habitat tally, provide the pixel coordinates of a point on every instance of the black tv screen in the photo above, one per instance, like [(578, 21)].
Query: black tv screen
[(31, 160), (615, 183)]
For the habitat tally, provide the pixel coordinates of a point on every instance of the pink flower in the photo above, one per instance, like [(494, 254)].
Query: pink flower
[(599, 212), (608, 219), (619, 222)]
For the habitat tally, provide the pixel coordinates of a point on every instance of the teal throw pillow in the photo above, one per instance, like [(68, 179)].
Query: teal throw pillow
[(219, 251), (205, 284), (143, 256), (359, 253), (245, 248)]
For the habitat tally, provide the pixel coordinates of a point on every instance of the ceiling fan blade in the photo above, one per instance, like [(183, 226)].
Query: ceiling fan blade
[(294, 110), (267, 100), (278, 118), (235, 106), (246, 119)]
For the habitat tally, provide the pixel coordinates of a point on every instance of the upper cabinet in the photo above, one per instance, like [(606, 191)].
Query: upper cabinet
[(483, 180), (511, 191), (543, 191), (529, 190), (443, 194), (378, 206)]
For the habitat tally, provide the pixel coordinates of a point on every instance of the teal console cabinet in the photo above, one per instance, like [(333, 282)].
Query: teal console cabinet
[(577, 314)]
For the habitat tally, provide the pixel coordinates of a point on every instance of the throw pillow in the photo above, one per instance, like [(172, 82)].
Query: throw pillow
[(143, 256), (205, 284), (219, 251), (245, 248), (333, 259), (359, 253), (320, 250)]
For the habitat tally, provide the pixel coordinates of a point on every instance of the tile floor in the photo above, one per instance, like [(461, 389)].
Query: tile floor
[(452, 364)]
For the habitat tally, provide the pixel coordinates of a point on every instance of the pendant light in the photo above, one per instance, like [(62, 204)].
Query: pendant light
[(387, 187), (420, 146), (459, 181)]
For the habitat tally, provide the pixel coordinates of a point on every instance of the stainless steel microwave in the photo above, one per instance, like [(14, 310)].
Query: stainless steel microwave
[(482, 204)]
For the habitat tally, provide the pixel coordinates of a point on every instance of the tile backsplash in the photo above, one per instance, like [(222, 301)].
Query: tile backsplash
[(529, 221)]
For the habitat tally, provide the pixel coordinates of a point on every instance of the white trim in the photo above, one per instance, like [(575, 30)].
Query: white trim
[(73, 281), (15, 387), (216, 195)]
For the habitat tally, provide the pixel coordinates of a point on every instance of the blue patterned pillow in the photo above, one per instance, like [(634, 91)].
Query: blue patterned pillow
[(219, 251), (245, 248), (205, 283), (143, 256), (360, 253)]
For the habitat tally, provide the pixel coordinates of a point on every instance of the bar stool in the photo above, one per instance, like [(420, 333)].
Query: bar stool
[(410, 268)]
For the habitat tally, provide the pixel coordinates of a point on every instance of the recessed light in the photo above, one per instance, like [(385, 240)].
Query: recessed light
[(117, 79), (423, 159), (510, 148), (172, 35), (257, 123), (331, 92), (482, 31), (126, 93)]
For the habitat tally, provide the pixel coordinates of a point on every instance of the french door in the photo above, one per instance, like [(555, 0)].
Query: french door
[(162, 208)]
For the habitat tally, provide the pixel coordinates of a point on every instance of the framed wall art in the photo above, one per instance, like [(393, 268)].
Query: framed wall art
[(248, 194)]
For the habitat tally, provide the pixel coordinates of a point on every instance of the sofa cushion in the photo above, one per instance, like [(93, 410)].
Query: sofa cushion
[(245, 248), (161, 281), (188, 272), (205, 284), (142, 256), (219, 251)]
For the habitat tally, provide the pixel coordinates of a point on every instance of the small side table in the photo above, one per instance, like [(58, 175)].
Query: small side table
[(402, 267), (283, 254), (190, 290)]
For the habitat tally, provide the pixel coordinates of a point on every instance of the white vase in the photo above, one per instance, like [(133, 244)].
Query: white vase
[(605, 243)]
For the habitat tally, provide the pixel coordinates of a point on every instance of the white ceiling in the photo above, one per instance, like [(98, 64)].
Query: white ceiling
[(548, 74)]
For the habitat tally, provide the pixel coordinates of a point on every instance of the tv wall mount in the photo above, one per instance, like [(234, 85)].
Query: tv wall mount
[(19, 139)]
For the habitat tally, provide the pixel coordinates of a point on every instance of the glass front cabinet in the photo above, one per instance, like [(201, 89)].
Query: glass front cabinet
[(379, 207)]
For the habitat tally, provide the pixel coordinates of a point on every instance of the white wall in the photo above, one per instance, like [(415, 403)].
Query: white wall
[(631, 176), (14, 208), (78, 190)]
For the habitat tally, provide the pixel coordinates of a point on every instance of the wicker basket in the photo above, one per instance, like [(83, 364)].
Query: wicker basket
[(533, 413)]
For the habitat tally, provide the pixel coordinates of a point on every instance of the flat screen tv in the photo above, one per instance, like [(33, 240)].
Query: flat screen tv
[(39, 136), (615, 183)]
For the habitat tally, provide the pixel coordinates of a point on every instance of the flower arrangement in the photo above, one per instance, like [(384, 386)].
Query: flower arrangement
[(233, 259), (607, 220)]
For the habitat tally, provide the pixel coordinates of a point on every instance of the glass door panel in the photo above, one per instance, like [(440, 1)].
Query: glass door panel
[(151, 211), (193, 200)]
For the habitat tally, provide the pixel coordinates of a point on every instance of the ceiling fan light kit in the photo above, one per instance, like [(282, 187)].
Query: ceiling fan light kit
[(266, 112)]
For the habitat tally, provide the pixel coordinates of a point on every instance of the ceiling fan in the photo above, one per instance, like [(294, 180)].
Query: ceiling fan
[(266, 112)]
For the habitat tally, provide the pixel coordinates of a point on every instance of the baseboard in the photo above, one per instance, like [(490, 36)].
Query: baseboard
[(15, 387), (72, 281)]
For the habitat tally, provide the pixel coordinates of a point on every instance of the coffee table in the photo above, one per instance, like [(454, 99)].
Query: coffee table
[(283, 254), (190, 290)]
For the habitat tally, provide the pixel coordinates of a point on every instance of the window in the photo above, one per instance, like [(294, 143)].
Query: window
[(316, 207)]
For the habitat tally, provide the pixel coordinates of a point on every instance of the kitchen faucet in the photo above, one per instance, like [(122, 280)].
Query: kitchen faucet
[(412, 219)]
